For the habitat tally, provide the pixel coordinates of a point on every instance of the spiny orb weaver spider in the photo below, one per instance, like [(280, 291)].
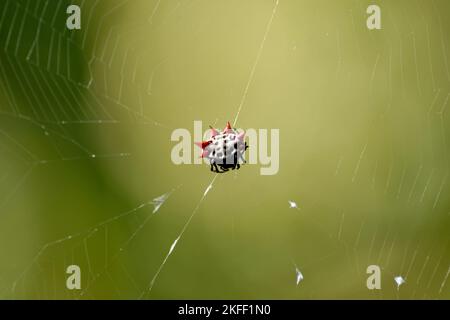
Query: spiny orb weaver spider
[(225, 150)]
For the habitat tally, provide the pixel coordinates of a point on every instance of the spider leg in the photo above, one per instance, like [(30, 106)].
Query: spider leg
[(241, 157), (214, 167)]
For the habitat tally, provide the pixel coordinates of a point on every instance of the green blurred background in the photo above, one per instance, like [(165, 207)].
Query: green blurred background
[(85, 123)]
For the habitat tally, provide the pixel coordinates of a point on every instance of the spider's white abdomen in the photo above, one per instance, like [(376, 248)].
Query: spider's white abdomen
[(224, 146), (225, 150)]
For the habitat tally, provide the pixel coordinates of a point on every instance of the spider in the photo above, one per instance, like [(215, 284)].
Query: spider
[(225, 150)]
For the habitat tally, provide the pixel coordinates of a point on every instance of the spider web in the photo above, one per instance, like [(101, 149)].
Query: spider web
[(379, 197)]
